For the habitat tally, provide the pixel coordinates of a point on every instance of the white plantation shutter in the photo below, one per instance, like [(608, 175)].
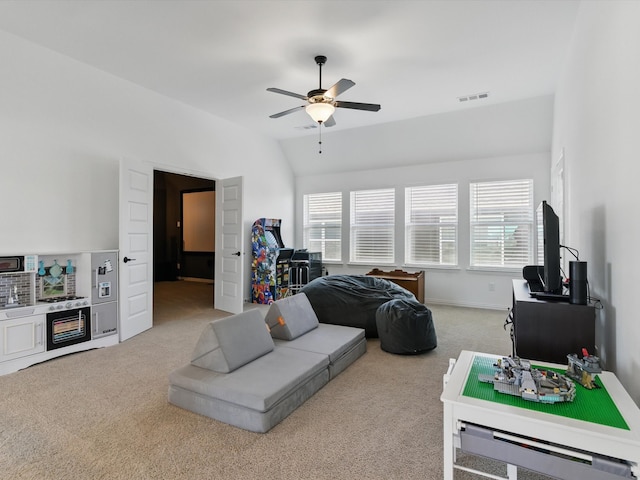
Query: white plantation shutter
[(372, 226), (322, 225), (431, 225), (501, 219)]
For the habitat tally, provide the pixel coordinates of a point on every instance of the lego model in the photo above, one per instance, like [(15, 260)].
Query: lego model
[(583, 371), (515, 376)]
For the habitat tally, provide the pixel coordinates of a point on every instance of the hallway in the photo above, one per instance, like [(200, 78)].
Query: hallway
[(180, 299)]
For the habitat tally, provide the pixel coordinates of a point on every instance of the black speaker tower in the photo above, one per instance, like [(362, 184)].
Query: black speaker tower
[(578, 283)]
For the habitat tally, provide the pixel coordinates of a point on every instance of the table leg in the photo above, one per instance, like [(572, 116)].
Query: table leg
[(448, 443)]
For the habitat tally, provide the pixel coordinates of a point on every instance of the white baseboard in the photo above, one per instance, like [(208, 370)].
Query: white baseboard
[(435, 301)]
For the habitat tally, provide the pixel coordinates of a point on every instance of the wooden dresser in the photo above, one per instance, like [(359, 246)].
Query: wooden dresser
[(414, 282)]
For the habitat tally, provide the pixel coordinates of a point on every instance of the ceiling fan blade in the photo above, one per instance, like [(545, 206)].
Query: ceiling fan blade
[(309, 126), (286, 112), (370, 107), (330, 122), (285, 92), (340, 87)]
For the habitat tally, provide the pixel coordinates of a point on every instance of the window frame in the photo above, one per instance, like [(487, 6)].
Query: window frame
[(446, 196), (362, 206), (504, 231), (330, 199)]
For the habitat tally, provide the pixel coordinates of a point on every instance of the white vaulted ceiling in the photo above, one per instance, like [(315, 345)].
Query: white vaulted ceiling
[(415, 58)]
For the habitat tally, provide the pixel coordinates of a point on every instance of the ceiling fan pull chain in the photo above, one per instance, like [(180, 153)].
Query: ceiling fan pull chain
[(320, 137)]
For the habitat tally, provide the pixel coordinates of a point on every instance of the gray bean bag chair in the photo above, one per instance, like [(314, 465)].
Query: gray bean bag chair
[(405, 327), (352, 300)]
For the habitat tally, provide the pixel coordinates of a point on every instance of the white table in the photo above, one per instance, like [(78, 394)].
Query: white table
[(504, 429)]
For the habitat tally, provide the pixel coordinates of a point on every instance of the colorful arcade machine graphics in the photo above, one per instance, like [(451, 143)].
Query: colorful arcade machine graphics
[(269, 262)]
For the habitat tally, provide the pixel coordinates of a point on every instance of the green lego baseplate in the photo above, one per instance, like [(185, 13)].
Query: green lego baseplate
[(595, 406)]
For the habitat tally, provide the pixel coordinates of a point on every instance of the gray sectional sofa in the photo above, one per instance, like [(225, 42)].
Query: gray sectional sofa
[(252, 371)]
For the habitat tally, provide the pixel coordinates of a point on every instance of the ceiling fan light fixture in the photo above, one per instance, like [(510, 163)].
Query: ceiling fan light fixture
[(320, 112)]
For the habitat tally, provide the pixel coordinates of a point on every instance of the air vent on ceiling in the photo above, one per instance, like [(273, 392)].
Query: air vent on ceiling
[(474, 96)]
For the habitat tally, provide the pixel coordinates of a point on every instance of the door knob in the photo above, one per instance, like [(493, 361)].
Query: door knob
[(237, 254), (126, 259)]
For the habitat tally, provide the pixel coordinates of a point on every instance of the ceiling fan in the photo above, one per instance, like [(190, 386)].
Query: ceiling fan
[(321, 104)]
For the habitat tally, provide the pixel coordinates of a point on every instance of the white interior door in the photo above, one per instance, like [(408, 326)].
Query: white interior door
[(136, 248), (229, 284)]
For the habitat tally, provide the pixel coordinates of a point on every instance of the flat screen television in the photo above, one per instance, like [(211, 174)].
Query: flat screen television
[(548, 226)]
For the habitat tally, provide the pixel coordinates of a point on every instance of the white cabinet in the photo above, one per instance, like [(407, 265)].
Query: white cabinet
[(22, 336)]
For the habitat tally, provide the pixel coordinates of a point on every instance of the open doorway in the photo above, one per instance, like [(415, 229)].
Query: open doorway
[(183, 274)]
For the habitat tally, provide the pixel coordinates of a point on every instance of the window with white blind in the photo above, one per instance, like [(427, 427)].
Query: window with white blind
[(322, 225), (372, 226), (501, 217), (431, 225)]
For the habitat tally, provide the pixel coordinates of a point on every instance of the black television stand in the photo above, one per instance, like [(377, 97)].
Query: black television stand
[(549, 330)]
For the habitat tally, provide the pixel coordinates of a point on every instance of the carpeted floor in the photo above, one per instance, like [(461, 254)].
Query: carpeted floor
[(103, 414)]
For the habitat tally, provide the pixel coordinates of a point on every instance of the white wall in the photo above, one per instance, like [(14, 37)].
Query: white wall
[(480, 131), (64, 127), (461, 286), (596, 123)]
